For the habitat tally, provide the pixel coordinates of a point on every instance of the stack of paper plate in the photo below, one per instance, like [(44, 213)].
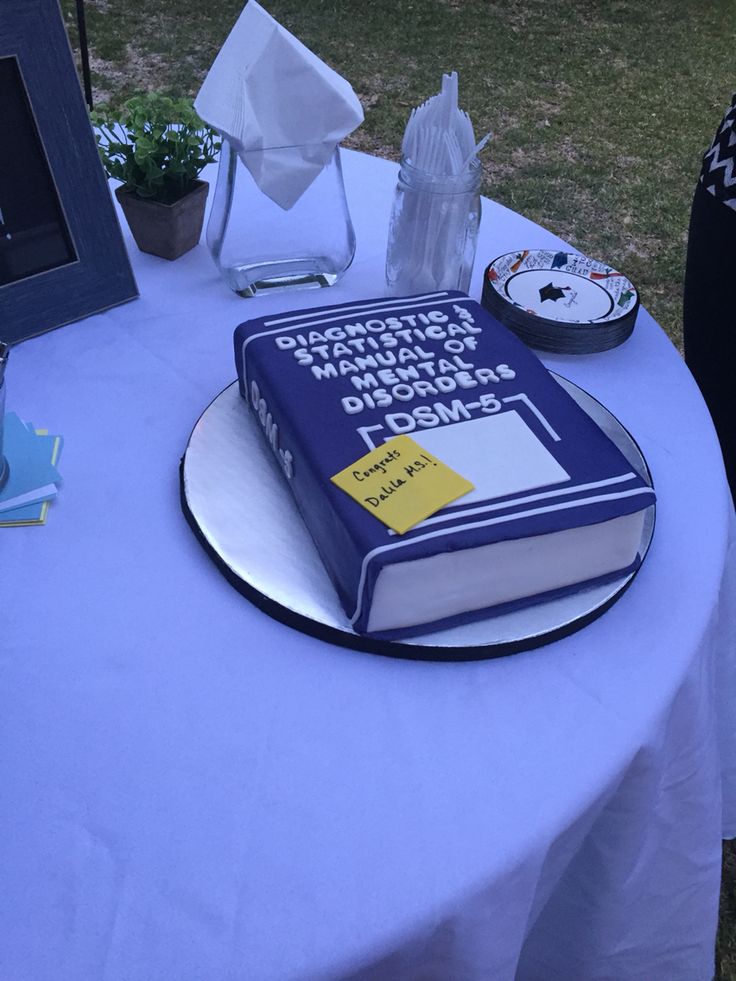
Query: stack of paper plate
[(560, 301)]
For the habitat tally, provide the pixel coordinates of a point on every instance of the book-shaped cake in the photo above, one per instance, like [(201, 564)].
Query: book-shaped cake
[(555, 504)]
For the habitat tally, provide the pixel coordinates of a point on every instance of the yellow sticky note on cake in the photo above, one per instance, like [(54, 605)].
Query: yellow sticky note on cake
[(401, 484)]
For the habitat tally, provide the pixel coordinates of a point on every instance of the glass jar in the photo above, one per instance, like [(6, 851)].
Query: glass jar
[(259, 246), (433, 231)]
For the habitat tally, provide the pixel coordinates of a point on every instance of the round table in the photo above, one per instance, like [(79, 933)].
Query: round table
[(191, 790)]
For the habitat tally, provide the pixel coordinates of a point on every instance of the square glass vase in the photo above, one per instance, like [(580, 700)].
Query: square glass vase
[(261, 246)]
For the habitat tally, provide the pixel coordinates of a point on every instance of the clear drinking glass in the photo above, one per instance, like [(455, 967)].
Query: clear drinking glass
[(433, 231), (260, 247)]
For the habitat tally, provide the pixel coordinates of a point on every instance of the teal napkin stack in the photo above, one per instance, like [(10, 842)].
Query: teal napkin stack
[(34, 479)]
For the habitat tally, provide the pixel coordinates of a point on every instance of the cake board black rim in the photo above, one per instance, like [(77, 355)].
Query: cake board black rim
[(414, 650), (386, 648)]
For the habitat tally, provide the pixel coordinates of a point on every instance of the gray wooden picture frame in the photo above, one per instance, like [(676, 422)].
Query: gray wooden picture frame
[(97, 275)]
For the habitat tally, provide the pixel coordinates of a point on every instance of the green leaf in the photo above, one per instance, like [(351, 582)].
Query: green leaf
[(154, 143)]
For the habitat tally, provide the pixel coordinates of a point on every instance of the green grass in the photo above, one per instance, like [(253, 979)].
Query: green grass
[(601, 111), (726, 946)]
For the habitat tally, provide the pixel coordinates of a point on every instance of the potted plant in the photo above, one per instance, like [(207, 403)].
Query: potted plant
[(157, 146)]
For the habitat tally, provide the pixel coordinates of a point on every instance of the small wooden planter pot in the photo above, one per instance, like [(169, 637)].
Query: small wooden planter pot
[(165, 230)]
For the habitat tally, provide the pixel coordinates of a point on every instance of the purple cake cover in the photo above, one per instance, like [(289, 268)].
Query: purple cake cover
[(329, 384)]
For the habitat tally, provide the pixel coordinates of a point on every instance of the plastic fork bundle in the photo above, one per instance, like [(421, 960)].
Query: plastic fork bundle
[(436, 213), (439, 136)]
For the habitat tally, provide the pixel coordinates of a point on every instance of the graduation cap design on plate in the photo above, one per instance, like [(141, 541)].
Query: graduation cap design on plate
[(560, 301)]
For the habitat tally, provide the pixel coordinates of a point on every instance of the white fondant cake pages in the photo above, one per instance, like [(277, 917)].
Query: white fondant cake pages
[(555, 503)]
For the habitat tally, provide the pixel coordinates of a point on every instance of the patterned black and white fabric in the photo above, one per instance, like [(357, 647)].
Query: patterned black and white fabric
[(718, 175), (708, 309)]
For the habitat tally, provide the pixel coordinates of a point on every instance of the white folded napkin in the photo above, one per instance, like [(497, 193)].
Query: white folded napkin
[(282, 109)]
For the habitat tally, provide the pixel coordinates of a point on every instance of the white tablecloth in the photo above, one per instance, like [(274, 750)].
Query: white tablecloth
[(190, 791)]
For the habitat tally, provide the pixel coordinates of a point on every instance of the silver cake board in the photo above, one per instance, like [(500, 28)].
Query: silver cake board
[(241, 510)]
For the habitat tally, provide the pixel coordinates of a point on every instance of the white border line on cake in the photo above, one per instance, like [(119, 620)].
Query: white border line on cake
[(327, 320), (523, 397), (563, 506), (528, 499), (359, 306)]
